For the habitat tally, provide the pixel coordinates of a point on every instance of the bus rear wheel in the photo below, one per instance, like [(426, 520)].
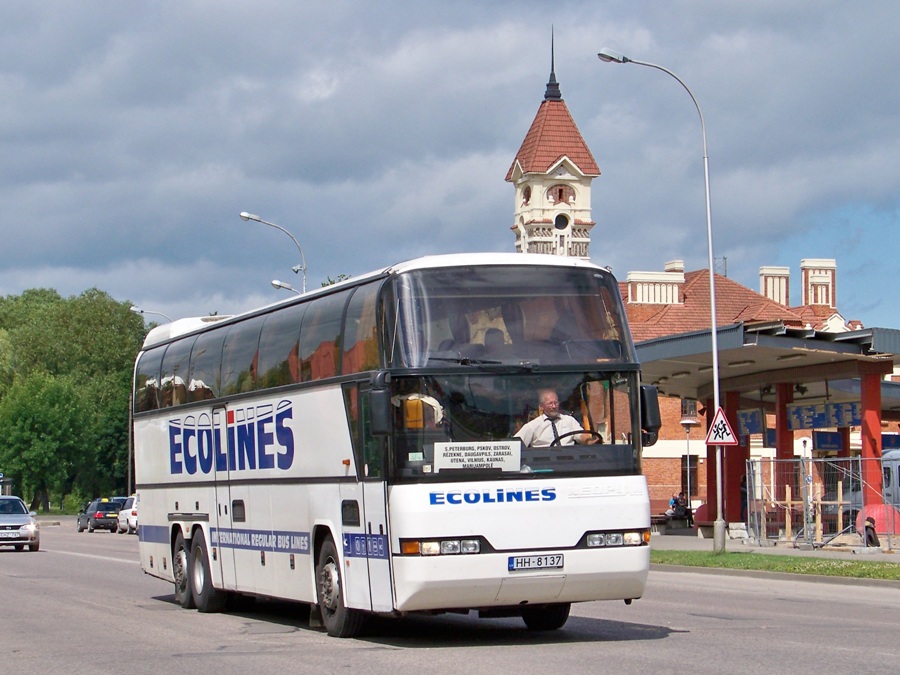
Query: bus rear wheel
[(546, 617), (207, 597), (181, 571), (339, 621)]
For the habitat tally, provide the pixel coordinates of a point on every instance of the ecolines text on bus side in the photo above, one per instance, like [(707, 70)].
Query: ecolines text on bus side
[(256, 438)]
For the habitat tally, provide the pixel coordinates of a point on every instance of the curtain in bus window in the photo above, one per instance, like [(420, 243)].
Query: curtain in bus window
[(175, 372), (146, 380), (361, 331), (279, 342), (320, 337), (239, 356), (206, 366)]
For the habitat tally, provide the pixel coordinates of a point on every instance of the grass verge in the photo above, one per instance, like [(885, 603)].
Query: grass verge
[(862, 569)]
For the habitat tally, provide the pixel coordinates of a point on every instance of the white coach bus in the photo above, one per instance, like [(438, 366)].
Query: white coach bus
[(354, 448)]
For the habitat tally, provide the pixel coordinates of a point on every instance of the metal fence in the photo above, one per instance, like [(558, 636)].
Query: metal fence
[(817, 501)]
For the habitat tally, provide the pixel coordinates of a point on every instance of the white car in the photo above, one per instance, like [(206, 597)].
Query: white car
[(128, 516), (18, 526)]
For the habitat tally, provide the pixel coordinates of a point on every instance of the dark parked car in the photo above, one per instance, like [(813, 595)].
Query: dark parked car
[(102, 514), (17, 524)]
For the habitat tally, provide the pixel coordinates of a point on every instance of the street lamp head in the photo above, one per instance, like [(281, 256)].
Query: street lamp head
[(284, 286), (249, 216), (141, 311), (610, 56)]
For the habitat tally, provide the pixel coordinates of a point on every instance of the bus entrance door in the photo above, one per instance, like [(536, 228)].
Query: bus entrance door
[(378, 546), (364, 535), (223, 520)]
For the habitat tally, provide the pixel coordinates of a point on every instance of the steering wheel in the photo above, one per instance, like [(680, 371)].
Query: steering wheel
[(578, 432)]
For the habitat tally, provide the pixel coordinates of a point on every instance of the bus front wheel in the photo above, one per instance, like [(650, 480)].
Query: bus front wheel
[(546, 617), (206, 597), (181, 572), (339, 621)]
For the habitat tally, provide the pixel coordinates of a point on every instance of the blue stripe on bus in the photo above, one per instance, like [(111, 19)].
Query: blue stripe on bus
[(153, 534), (278, 541), (365, 546)]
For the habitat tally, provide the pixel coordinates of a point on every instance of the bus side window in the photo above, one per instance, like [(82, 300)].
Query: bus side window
[(361, 332), (175, 373), (320, 337), (240, 356), (278, 345), (206, 366), (146, 384)]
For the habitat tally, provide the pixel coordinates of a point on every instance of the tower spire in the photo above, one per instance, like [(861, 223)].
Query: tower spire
[(552, 93)]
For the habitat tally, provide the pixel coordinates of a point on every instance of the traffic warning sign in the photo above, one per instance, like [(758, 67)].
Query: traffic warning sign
[(720, 432)]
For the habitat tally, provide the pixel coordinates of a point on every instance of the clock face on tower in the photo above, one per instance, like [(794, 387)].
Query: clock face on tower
[(561, 222)]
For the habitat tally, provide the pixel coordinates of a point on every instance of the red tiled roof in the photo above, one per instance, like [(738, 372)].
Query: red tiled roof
[(552, 136), (734, 303)]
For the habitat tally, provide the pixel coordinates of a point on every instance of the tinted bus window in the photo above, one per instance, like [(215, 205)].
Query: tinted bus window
[(175, 372), (206, 366), (320, 337), (279, 342), (146, 381), (361, 331), (239, 356)]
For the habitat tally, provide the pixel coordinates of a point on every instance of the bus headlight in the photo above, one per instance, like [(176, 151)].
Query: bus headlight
[(598, 539), (442, 547), (430, 547), (632, 539)]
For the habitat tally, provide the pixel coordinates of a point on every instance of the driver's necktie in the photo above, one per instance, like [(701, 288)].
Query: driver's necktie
[(555, 431)]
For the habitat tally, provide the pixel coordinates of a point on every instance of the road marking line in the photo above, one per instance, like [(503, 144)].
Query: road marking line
[(98, 557)]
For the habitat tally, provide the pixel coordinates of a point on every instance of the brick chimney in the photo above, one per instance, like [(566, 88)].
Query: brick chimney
[(819, 281), (774, 283), (657, 288)]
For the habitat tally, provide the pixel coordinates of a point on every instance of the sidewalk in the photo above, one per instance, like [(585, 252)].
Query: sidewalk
[(686, 539)]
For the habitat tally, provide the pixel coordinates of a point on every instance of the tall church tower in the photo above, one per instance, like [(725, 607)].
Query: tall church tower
[(552, 174)]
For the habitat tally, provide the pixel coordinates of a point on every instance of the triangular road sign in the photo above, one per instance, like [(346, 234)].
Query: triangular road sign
[(720, 432)]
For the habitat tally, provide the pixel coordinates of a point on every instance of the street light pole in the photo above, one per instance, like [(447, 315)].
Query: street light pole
[(138, 310), (610, 56), (296, 268)]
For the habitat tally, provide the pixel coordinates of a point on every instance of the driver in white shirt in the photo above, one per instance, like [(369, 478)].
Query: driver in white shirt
[(549, 427)]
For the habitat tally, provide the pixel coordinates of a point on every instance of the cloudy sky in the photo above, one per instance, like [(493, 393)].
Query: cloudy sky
[(133, 134)]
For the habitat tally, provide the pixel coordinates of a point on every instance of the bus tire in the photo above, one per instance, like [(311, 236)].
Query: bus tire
[(546, 617), (339, 620), (181, 563), (207, 597)]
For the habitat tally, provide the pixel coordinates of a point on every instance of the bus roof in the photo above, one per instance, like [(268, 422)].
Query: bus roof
[(180, 327), (462, 259)]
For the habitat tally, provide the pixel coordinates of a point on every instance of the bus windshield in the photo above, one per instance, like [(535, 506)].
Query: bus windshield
[(470, 426), (509, 314)]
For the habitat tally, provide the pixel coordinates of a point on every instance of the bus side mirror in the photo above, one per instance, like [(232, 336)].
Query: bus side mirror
[(380, 418), (650, 418)]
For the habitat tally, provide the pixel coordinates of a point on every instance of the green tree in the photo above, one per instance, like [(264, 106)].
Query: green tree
[(89, 335), (7, 370), (84, 346), (44, 425)]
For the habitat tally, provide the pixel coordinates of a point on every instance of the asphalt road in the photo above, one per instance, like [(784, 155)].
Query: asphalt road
[(82, 605)]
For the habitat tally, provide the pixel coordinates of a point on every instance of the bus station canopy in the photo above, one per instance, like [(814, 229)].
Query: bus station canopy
[(822, 367)]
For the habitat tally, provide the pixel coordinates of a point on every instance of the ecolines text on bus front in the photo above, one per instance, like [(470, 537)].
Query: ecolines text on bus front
[(496, 496), (256, 438)]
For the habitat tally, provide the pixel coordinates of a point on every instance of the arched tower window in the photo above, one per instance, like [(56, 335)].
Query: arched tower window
[(526, 195), (561, 193)]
